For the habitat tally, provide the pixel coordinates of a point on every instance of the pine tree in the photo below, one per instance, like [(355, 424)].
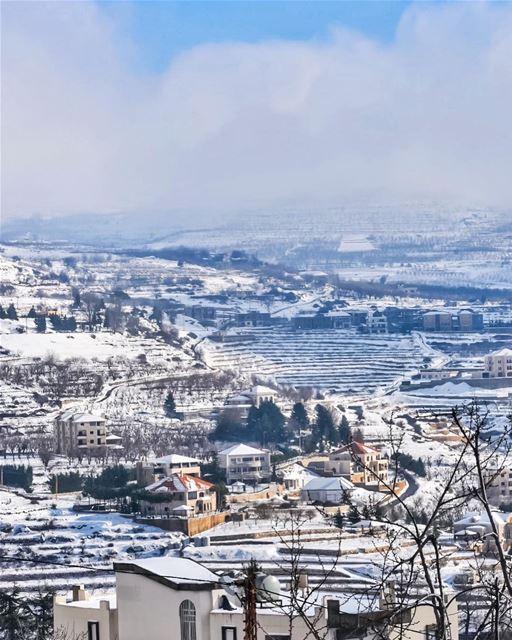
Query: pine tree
[(76, 299), (338, 519), (40, 324), (344, 430), (3, 315), (170, 405), (326, 431), (11, 312), (32, 313), (353, 514), (299, 418)]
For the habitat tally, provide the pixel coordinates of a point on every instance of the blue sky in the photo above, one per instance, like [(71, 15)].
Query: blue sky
[(317, 103), (162, 29)]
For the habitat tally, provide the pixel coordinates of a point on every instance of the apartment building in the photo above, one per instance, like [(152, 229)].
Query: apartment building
[(360, 464), (181, 599), (148, 471), (77, 431), (499, 364), (464, 320), (245, 463)]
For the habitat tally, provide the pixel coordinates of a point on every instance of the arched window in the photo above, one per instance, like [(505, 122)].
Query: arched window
[(188, 620)]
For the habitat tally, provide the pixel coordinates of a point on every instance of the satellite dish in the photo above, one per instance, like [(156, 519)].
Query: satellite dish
[(268, 588)]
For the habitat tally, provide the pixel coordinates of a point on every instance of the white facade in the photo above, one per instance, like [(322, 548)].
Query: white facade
[(499, 364), (151, 470), (91, 618), (244, 463), (180, 599), (326, 490)]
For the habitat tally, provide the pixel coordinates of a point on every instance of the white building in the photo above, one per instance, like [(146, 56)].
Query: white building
[(178, 598), (245, 463), (499, 364), (326, 490), (179, 494), (150, 470), (77, 431), (255, 396)]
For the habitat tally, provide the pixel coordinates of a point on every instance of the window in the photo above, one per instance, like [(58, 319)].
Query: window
[(277, 637), (228, 633), (93, 630), (188, 620), (430, 632)]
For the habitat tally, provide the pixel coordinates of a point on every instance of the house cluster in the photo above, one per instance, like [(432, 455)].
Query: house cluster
[(366, 321), (497, 364), (180, 598), (358, 463)]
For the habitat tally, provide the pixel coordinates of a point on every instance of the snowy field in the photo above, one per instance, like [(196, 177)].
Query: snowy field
[(47, 529), (340, 360)]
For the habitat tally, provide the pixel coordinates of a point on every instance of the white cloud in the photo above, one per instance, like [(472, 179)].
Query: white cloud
[(226, 125)]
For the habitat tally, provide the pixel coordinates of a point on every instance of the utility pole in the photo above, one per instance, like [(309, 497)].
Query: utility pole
[(250, 627)]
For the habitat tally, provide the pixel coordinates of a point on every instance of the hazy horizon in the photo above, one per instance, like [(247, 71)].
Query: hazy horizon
[(98, 118)]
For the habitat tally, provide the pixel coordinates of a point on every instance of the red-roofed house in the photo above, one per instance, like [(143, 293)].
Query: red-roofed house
[(179, 495), (360, 464)]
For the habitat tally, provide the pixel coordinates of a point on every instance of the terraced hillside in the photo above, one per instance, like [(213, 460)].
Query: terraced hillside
[(340, 360)]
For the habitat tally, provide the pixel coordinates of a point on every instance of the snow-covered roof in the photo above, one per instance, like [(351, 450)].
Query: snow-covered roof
[(328, 484), (243, 398), (502, 352), (476, 518), (240, 450), (175, 458), (80, 416), (357, 448), (181, 572), (95, 603), (262, 390), (177, 483)]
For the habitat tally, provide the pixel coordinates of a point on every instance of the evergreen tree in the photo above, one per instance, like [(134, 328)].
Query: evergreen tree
[(229, 426), (325, 429), (338, 519), (344, 430), (32, 313), (353, 515), (272, 423), (56, 322), (40, 324), (3, 315), (170, 405), (76, 299), (299, 418), (70, 324), (11, 312)]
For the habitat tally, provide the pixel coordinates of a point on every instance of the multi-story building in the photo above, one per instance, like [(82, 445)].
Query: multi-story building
[(464, 320), (437, 321), (171, 597), (360, 464), (498, 480), (245, 463), (179, 495), (499, 364), (77, 431), (149, 471)]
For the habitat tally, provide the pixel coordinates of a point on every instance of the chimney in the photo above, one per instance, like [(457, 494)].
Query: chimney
[(78, 593)]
